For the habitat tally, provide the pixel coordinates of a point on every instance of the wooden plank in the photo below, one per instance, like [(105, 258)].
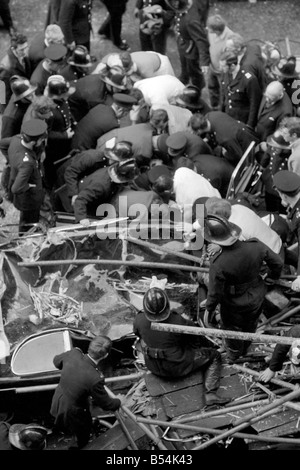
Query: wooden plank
[(114, 438), (158, 386)]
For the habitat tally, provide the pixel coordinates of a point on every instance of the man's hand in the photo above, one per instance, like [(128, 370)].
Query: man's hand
[(84, 222), (74, 199), (266, 375), (70, 133), (204, 69), (213, 248)]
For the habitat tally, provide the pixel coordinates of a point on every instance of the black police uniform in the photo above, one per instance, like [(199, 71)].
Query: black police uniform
[(74, 18), (241, 97), (236, 284), (94, 124), (170, 354), (193, 46), (95, 189), (234, 136), (90, 91), (25, 169), (12, 117)]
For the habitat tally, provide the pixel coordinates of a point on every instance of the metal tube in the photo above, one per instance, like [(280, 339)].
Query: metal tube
[(197, 330), (136, 264)]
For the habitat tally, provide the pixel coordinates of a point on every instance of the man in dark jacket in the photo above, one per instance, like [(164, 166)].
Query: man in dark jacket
[(81, 379), (274, 106), (235, 280), (74, 18), (99, 187), (26, 184), (240, 91), (219, 128), (192, 42), (97, 88), (100, 120), (175, 355)]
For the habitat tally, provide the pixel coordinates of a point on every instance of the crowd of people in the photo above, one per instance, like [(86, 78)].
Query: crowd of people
[(81, 131)]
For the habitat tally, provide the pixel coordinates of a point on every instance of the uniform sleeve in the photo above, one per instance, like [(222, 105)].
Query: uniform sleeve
[(58, 361), (274, 263), (255, 96), (102, 399), (21, 183), (86, 196), (65, 20), (216, 287), (79, 167), (199, 36)]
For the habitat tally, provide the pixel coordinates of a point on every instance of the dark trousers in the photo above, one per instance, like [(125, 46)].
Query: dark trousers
[(209, 360), (214, 89), (154, 42), (191, 72), (5, 14), (28, 217), (112, 25)]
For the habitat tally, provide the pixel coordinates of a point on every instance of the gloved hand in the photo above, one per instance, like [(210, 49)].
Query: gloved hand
[(296, 284)]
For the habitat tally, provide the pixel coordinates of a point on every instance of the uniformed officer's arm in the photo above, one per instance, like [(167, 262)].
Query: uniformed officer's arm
[(297, 231), (21, 183), (59, 135), (102, 399), (80, 166), (255, 96), (274, 263), (85, 197), (199, 36)]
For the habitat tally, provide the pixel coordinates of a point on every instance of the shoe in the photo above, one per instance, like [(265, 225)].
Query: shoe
[(214, 399)]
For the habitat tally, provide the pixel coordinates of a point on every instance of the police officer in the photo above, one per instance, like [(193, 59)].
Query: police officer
[(192, 42), (220, 129), (23, 93), (175, 355), (26, 183), (287, 184), (240, 91), (99, 187), (78, 65), (100, 120), (235, 280)]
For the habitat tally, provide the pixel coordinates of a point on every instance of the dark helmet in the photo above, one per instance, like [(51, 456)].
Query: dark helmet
[(80, 57), (190, 97), (58, 86), (178, 5), (28, 437), (219, 230), (156, 305), (123, 171), (21, 87), (121, 151)]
